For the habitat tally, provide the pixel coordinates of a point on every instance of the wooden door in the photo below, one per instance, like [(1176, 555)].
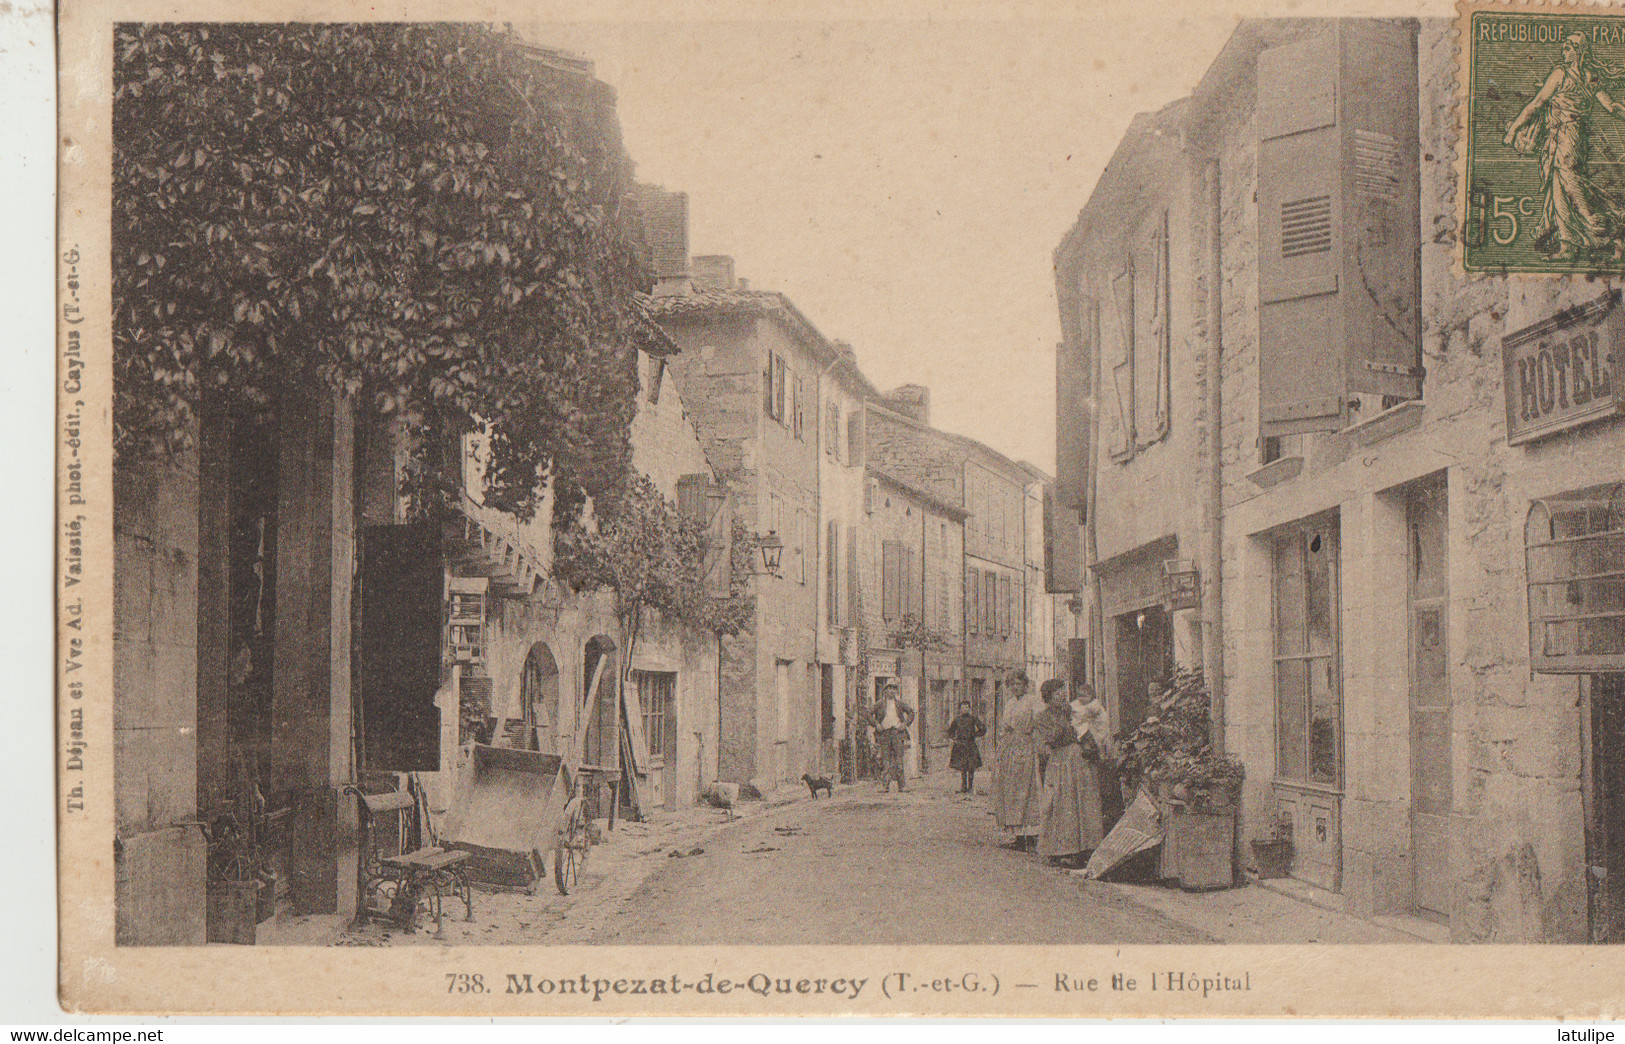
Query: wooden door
[(1431, 792)]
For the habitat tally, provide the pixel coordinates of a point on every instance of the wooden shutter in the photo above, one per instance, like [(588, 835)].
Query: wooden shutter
[(1339, 274), (973, 601), (402, 599), (797, 405), (1073, 420), (1383, 323), (990, 602), (853, 589), (832, 573), (767, 384), (1004, 605), (778, 388), (1151, 340), (891, 580), (854, 438), (1117, 367), (1062, 574), (1300, 209), (914, 591), (691, 499)]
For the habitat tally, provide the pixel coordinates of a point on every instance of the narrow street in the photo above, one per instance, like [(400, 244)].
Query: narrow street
[(922, 867)]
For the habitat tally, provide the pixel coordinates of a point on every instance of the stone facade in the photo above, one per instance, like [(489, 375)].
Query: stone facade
[(911, 553), (1503, 859)]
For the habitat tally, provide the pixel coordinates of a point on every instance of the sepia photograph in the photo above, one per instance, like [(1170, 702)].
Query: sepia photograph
[(547, 484)]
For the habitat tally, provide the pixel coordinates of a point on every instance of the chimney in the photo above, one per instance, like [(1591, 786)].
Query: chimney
[(713, 272), (665, 227), (911, 400)]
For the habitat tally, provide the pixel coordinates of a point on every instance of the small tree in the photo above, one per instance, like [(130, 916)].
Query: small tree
[(653, 557)]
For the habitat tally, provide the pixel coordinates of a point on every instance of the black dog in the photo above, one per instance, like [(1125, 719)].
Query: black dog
[(817, 783)]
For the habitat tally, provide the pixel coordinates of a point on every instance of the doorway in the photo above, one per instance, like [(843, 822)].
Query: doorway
[(1427, 524), (1605, 848), (1145, 660)]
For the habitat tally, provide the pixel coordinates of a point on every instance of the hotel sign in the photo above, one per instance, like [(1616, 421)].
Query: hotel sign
[(1565, 370)]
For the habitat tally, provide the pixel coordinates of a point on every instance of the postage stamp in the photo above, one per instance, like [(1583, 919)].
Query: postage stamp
[(1545, 148)]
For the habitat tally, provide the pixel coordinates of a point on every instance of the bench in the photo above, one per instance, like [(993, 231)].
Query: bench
[(396, 882)]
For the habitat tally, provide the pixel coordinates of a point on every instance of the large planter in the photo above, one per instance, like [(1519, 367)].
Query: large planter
[(1198, 848), (1273, 858)]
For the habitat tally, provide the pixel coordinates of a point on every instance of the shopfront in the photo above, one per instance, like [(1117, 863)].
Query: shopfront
[(1575, 555)]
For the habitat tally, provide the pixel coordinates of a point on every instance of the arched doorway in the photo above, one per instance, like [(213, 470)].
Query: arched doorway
[(539, 700)]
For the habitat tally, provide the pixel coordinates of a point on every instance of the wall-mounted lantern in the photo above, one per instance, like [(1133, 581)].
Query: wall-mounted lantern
[(1181, 584), (772, 550)]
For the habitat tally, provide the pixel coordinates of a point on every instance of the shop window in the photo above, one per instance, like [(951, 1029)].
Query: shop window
[(1308, 685), (1575, 554)]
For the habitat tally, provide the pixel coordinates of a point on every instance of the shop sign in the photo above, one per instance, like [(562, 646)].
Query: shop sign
[(1565, 370)]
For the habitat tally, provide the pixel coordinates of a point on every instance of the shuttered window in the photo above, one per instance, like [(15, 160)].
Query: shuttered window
[(973, 601), (1339, 237), (891, 581), (798, 407), (832, 430), (1153, 335), (1117, 366), (854, 439), (1072, 408), (832, 573), (913, 588), (990, 603)]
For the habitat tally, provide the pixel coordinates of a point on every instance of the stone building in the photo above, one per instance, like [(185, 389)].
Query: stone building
[(992, 490), (1404, 571), (911, 555), (758, 377)]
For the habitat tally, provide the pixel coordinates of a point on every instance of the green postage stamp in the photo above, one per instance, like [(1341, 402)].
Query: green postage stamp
[(1545, 149)]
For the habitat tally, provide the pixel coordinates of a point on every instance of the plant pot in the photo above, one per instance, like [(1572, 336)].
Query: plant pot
[(1273, 858)]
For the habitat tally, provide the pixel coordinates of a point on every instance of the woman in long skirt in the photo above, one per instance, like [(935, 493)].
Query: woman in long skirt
[(1071, 827), (966, 756), (1015, 757)]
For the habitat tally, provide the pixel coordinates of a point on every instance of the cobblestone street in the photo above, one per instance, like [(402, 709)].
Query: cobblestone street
[(922, 867)]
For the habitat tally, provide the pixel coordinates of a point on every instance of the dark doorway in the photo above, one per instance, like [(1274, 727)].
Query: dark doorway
[(1605, 879), (1145, 660)]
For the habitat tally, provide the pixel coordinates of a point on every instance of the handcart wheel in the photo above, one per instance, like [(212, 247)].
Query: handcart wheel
[(570, 850)]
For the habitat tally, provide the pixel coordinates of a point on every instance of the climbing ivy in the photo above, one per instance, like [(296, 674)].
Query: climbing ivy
[(422, 217), (653, 557)]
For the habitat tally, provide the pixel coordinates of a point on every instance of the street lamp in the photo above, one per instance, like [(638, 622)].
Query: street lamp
[(772, 549)]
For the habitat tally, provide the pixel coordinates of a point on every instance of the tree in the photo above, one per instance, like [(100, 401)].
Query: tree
[(422, 217), (653, 557)]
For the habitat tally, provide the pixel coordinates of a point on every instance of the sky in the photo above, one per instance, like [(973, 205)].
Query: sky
[(903, 182)]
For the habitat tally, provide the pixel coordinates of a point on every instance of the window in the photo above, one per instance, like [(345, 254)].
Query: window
[(973, 601), (1005, 605), (798, 405), (832, 430), (773, 379), (656, 690), (990, 603), (1338, 277), (943, 610), (1308, 689), (854, 438)]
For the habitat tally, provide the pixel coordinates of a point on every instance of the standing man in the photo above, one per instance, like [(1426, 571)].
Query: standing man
[(892, 719)]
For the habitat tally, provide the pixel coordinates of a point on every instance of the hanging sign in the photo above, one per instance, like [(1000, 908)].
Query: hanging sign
[(1565, 370)]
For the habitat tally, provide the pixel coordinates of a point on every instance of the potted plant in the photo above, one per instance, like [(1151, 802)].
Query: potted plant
[(1171, 753)]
